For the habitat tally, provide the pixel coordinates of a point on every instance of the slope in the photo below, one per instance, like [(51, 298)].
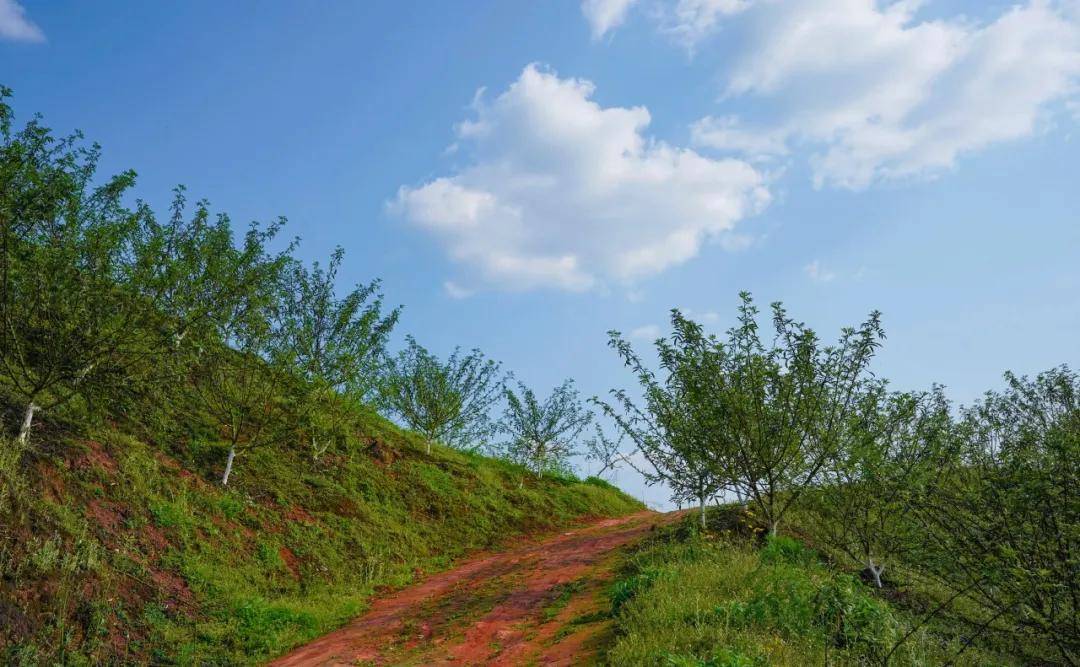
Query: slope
[(116, 548)]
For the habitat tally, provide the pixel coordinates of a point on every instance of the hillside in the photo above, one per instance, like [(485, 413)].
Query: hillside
[(758, 600), (194, 468), (115, 549)]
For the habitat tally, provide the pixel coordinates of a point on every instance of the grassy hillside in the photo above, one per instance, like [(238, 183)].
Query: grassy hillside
[(117, 550), (727, 598)]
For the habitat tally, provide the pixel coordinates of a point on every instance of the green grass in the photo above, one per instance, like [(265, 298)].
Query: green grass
[(714, 599), (113, 550)]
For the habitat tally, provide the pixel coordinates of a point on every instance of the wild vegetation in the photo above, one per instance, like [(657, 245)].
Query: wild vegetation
[(973, 514), (764, 600), (193, 467)]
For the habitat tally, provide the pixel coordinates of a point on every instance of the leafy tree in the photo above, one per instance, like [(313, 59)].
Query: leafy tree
[(335, 344), (1003, 526), (447, 401), (785, 406), (761, 421), (239, 385), (195, 275), (543, 433), (675, 428), (71, 326), (894, 448)]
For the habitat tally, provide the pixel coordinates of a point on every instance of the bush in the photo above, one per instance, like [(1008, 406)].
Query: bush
[(780, 549)]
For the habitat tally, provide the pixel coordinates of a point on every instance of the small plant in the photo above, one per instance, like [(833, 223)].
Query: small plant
[(782, 549)]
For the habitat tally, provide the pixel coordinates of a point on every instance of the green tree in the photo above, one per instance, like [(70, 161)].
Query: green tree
[(758, 420), (785, 406), (71, 326), (447, 402), (336, 344), (1002, 528), (892, 452), (192, 271), (675, 428), (543, 433), (239, 385)]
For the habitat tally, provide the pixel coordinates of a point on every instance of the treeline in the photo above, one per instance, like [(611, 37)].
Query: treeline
[(108, 311), (982, 501)]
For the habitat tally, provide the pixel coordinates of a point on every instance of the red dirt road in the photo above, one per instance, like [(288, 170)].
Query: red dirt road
[(534, 604)]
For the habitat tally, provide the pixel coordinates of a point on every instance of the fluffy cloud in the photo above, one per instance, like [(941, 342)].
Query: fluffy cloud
[(15, 26), (872, 90), (561, 192), (605, 15), (877, 94)]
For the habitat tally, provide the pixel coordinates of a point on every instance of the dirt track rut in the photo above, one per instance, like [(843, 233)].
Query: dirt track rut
[(538, 603)]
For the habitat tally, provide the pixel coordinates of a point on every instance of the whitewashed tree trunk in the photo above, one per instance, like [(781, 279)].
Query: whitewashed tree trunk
[(701, 508), (28, 421), (228, 466), (875, 570), (317, 449)]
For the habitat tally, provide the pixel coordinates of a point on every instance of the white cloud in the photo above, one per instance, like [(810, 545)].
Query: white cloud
[(648, 332), (689, 21), (15, 26), (455, 291), (818, 273), (872, 90), (728, 133), (877, 94), (605, 15), (561, 192)]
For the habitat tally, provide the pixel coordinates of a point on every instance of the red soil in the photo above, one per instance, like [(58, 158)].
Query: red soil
[(508, 608)]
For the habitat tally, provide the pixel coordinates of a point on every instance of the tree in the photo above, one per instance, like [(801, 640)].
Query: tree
[(542, 434), (335, 344), (71, 325), (238, 382), (244, 394), (760, 421), (194, 274), (892, 451), (445, 402), (676, 427), (784, 407), (1002, 527)]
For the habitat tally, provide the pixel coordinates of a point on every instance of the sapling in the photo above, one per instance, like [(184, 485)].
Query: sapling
[(543, 433), (447, 402)]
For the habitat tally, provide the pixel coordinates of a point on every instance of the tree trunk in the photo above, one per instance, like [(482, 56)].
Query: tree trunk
[(28, 421), (228, 466), (701, 507), (428, 441), (875, 570), (773, 526)]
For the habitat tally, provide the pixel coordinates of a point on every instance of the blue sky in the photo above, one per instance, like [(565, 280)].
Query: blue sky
[(526, 176)]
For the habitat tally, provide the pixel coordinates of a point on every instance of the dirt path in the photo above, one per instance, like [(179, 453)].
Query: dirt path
[(540, 602)]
